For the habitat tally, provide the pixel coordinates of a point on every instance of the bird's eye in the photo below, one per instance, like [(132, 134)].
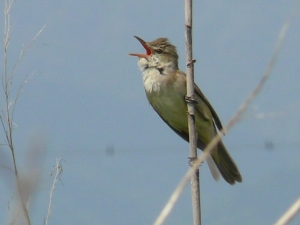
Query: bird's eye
[(158, 51)]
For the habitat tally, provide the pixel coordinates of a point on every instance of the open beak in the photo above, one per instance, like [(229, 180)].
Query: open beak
[(148, 50)]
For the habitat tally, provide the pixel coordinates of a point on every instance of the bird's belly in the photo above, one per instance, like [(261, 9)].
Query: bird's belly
[(170, 105)]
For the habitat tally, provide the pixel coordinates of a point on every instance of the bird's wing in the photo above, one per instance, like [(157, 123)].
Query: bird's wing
[(214, 114), (198, 92)]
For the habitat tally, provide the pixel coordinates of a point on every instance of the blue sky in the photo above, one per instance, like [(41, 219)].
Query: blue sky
[(121, 162)]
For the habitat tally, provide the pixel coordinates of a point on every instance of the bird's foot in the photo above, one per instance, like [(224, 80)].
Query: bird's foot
[(193, 160), (190, 99), (191, 62)]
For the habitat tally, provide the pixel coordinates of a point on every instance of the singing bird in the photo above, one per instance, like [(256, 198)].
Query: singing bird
[(165, 87)]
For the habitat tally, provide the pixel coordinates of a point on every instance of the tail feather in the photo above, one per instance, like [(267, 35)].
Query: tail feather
[(213, 168), (226, 165)]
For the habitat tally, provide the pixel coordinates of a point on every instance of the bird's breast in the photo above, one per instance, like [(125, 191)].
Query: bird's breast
[(166, 95)]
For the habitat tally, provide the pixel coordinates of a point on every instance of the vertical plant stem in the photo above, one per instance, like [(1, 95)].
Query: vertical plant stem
[(58, 171), (195, 180), (6, 119)]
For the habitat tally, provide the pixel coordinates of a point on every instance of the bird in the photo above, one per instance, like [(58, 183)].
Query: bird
[(165, 87)]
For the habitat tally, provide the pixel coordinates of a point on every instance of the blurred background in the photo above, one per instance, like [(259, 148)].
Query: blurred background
[(120, 161)]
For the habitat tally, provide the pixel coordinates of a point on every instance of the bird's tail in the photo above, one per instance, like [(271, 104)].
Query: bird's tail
[(226, 165)]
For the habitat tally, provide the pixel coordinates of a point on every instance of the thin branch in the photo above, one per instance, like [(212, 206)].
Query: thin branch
[(289, 214), (6, 116), (24, 51), (58, 168), (18, 95), (195, 179), (179, 189)]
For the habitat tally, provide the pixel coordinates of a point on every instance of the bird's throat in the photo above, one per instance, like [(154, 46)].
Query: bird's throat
[(153, 79)]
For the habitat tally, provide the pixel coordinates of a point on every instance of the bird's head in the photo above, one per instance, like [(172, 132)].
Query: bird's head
[(160, 54)]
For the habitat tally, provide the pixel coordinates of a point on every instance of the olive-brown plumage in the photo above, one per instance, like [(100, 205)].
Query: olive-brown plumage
[(165, 87)]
